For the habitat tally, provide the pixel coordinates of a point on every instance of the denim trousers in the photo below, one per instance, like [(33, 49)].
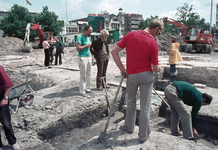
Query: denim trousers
[(5, 119), (173, 71), (144, 81), (178, 110), (51, 54), (58, 55)]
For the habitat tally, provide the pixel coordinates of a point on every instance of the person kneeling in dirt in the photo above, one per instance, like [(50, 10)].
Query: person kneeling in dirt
[(181, 93), (5, 117), (100, 51), (174, 57)]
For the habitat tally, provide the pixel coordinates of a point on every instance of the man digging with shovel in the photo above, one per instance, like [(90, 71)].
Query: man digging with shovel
[(142, 59)]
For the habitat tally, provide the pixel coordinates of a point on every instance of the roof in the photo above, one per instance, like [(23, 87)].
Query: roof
[(112, 15), (82, 19)]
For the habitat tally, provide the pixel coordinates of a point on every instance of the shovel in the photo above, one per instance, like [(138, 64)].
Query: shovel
[(161, 97), (103, 133), (107, 99)]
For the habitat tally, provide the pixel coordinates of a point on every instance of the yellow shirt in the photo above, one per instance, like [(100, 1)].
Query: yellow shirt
[(174, 55)]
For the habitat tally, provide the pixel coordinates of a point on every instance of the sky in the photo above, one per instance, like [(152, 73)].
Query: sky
[(76, 9)]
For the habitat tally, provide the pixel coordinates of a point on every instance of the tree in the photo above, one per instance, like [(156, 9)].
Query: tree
[(141, 24), (189, 18), (186, 16), (203, 25), (144, 23), (48, 21), (15, 23)]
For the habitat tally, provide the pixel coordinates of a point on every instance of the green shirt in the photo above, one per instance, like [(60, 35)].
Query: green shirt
[(83, 41), (58, 44), (190, 96)]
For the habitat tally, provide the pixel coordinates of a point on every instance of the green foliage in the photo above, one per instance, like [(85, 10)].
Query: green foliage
[(187, 17), (144, 23), (141, 24), (48, 21), (203, 25), (184, 12), (147, 20), (15, 23)]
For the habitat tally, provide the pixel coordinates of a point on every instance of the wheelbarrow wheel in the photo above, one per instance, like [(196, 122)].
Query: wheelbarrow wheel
[(26, 100)]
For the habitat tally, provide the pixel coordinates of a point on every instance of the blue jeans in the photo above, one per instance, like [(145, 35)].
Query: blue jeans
[(173, 71), (51, 57), (58, 55), (5, 119)]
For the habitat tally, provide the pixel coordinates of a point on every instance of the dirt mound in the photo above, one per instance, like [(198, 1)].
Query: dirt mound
[(164, 43), (10, 46)]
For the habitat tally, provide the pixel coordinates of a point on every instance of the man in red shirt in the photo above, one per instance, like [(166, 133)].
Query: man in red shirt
[(141, 60), (5, 117)]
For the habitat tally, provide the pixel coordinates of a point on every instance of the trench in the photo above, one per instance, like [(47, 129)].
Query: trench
[(87, 127), (90, 122)]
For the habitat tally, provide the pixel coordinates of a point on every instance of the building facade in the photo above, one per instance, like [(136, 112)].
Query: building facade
[(132, 21), (121, 17), (70, 28), (81, 23)]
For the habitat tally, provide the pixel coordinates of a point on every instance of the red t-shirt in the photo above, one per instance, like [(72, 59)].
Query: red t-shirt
[(141, 51), (5, 81)]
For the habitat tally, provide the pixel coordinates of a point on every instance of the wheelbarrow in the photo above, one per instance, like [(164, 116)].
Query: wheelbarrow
[(23, 93)]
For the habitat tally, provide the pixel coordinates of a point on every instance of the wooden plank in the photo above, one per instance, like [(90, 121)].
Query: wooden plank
[(117, 84), (58, 67), (124, 86), (159, 92)]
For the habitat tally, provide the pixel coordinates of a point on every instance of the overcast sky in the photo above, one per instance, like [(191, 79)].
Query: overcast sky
[(76, 9)]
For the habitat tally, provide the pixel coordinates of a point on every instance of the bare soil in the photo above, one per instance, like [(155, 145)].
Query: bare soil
[(22, 67)]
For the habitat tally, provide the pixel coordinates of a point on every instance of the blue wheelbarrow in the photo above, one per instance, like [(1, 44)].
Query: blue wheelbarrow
[(23, 93)]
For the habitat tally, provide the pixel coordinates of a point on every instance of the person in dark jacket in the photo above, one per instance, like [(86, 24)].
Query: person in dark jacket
[(51, 53), (59, 50), (5, 117), (100, 51), (179, 94)]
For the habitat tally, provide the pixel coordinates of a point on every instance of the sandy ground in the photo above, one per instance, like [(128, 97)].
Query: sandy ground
[(57, 97)]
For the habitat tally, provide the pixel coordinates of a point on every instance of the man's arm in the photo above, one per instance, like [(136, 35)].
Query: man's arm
[(80, 48), (116, 57), (156, 68), (92, 49), (61, 44), (5, 101)]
